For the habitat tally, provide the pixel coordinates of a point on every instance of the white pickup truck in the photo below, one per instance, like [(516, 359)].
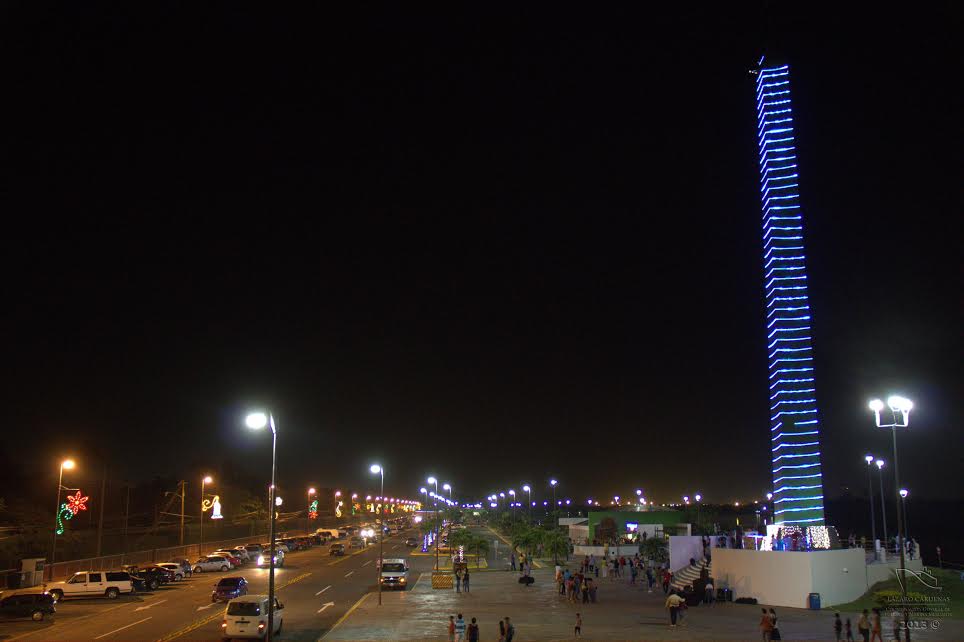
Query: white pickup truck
[(107, 584)]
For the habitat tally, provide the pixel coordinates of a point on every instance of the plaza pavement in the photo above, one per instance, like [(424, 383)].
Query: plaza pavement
[(622, 612)]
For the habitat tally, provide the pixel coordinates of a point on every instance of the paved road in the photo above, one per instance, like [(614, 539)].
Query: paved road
[(183, 611)]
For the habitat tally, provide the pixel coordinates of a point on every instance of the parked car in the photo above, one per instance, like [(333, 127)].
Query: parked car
[(212, 563), (292, 544), (278, 544), (186, 567), (356, 542), (253, 549), (230, 556), (279, 559), (109, 584), (336, 549), (154, 574), (411, 541), (241, 553), (247, 617), (229, 588), (34, 603), (175, 568)]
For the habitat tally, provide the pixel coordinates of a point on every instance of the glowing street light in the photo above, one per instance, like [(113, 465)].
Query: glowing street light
[(448, 487), (528, 491), (870, 485), (883, 507), (378, 470), (553, 482), (67, 464), (257, 421), (200, 540)]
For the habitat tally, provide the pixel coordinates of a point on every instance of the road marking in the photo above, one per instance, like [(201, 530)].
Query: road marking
[(201, 608), (82, 617), (322, 590), (290, 582), (417, 581), (345, 616), (197, 624), (349, 573), (366, 563), (325, 606), (150, 606), (121, 629)]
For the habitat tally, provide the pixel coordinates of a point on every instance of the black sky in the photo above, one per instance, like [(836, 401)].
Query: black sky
[(495, 244)]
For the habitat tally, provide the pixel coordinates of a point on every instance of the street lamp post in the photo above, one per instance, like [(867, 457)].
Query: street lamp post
[(432, 480), (553, 482), (378, 470), (512, 503), (448, 487), (698, 498), (68, 464), (883, 507), (528, 491), (200, 540), (900, 408), (870, 484), (311, 491), (257, 421), (903, 504)]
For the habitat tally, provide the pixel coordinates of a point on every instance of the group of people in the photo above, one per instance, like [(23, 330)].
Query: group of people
[(769, 628), (911, 547), (460, 631), (869, 627), (462, 580), (573, 585), (525, 565)]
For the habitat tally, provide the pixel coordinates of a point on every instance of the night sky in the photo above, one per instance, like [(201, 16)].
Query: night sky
[(493, 244)]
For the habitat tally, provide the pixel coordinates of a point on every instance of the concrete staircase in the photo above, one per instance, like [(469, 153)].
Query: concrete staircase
[(689, 574)]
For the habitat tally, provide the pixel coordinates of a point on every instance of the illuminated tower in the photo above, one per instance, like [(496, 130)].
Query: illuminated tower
[(794, 427)]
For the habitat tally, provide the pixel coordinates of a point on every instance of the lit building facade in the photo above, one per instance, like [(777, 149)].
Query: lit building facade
[(794, 424)]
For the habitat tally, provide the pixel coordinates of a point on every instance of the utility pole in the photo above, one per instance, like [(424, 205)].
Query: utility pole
[(182, 512), (100, 519), (127, 514)]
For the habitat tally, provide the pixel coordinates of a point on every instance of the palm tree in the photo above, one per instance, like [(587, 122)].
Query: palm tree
[(554, 543), (480, 546)]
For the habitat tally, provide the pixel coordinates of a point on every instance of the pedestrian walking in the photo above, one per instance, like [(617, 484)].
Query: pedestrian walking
[(863, 626), (766, 626), (473, 631), (708, 593), (577, 632), (512, 560), (875, 630), (837, 627), (650, 578), (501, 630), (465, 581), (584, 588), (509, 630), (458, 581), (592, 591), (775, 628), (848, 630), (451, 628), (665, 581), (672, 603), (592, 563), (459, 629)]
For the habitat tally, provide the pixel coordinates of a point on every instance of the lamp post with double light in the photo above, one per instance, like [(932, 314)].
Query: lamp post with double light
[(378, 470), (258, 421), (900, 408), (438, 527), (67, 464)]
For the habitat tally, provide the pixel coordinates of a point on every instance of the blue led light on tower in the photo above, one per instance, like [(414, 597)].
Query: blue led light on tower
[(794, 426)]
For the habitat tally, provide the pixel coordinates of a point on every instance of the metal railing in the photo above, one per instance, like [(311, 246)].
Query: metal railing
[(62, 570)]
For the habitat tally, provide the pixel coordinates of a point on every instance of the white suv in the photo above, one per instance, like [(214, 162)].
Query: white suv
[(212, 563), (247, 617), (108, 584)]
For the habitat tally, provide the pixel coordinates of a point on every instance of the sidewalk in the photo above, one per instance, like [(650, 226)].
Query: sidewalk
[(623, 612)]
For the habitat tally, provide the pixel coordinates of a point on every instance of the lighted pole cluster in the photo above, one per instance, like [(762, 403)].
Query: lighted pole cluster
[(900, 408)]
